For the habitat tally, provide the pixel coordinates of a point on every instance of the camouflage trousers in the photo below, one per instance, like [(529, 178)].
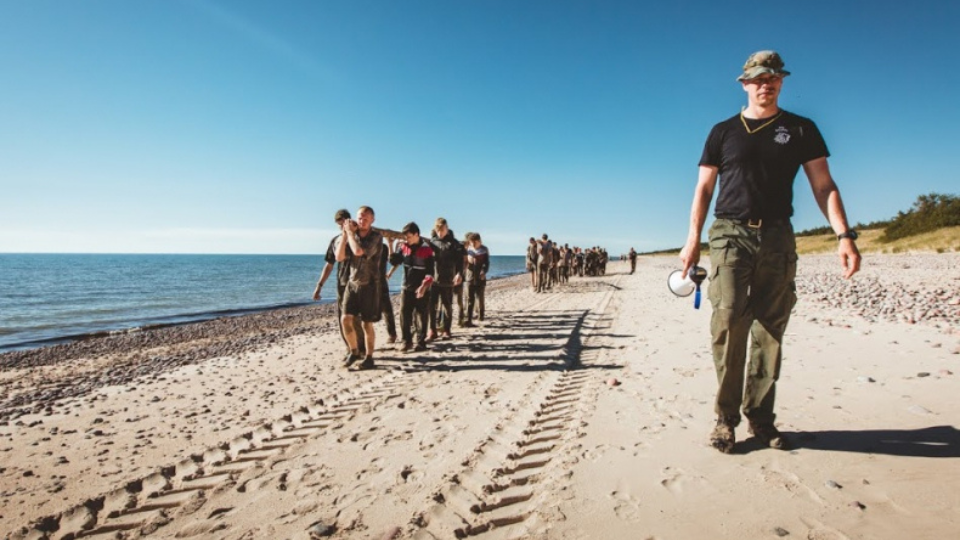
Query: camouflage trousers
[(753, 292)]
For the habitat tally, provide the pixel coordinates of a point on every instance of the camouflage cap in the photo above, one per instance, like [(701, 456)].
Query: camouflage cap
[(761, 63)]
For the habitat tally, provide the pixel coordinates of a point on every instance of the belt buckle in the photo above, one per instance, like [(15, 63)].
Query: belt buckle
[(752, 225)]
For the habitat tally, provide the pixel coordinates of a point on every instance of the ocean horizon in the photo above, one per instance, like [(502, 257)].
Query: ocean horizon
[(50, 298)]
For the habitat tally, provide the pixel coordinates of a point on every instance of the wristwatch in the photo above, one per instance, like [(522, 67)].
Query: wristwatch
[(851, 234)]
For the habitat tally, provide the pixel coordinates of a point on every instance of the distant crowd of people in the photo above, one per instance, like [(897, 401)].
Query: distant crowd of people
[(549, 263), (436, 270)]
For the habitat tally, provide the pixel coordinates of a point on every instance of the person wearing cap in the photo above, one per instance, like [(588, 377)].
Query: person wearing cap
[(756, 155), (417, 257), (361, 298), (342, 276)]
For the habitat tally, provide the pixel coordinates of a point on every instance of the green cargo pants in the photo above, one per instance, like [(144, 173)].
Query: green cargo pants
[(752, 290)]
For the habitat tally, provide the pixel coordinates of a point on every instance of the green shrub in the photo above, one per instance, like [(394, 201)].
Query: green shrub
[(929, 213)]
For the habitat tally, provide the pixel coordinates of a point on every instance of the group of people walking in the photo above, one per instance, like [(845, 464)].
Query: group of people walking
[(754, 156), (549, 263), (435, 271)]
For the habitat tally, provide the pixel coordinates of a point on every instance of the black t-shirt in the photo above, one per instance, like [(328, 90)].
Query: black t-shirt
[(757, 169), (343, 269)]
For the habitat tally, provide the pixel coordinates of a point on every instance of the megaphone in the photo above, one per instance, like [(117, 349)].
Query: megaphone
[(685, 285)]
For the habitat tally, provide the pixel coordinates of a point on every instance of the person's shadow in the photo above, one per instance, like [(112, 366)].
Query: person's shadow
[(935, 442)]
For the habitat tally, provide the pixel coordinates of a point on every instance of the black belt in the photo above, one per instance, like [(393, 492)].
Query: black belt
[(759, 223)]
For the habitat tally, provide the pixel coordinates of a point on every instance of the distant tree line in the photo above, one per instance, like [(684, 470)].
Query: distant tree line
[(929, 213)]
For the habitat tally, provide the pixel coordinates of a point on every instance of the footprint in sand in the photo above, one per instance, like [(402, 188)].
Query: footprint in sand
[(819, 531), (673, 480), (625, 506), (791, 482)]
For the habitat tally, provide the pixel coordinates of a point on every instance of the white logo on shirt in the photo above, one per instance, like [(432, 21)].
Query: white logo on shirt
[(782, 136)]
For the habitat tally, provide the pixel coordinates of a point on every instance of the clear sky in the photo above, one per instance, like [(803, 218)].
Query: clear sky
[(215, 126)]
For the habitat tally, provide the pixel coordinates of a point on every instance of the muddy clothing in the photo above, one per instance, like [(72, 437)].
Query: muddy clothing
[(532, 258), (365, 269), (752, 287), (362, 295), (633, 260), (343, 271), (757, 169), (544, 265)]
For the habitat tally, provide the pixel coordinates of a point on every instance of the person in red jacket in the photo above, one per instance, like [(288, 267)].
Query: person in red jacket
[(418, 260)]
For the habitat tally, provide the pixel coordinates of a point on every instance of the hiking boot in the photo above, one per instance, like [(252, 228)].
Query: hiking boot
[(367, 363), (351, 358), (723, 435), (406, 347), (420, 347), (769, 435), (468, 324), (445, 335)]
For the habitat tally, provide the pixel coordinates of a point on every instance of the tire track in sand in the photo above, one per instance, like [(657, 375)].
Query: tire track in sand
[(502, 485), (154, 501), (171, 493)]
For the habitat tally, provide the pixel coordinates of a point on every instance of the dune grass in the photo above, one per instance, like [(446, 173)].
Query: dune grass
[(942, 240)]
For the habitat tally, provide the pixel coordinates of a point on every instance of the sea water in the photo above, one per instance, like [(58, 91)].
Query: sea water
[(51, 298)]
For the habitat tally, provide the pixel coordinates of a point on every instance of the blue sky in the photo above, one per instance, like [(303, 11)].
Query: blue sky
[(208, 126)]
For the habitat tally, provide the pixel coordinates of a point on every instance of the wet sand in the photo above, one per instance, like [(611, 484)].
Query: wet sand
[(579, 413)]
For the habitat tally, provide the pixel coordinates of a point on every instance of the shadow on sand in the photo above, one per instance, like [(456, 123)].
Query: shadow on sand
[(932, 442), (549, 340)]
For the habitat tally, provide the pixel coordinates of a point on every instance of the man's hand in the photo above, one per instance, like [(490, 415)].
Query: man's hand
[(849, 257), (690, 255), (457, 280), (350, 225), (422, 290)]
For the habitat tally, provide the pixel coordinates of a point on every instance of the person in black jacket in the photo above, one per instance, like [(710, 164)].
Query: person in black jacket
[(448, 274), (478, 264), (417, 258)]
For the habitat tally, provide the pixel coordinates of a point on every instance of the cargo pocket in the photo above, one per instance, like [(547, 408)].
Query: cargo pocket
[(791, 274)]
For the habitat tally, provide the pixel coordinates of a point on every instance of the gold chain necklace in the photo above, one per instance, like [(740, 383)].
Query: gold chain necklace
[(765, 124)]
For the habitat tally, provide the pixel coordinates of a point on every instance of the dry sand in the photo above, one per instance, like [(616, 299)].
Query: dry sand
[(578, 414)]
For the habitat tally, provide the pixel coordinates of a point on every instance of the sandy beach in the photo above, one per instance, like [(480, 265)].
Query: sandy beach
[(582, 413)]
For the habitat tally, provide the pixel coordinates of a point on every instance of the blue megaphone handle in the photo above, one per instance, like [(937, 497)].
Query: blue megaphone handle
[(696, 299)]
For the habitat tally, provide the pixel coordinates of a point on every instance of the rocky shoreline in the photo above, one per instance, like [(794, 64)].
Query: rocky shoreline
[(122, 358), (909, 288)]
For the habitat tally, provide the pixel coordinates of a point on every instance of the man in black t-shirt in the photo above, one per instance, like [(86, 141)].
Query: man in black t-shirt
[(756, 156), (342, 274)]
